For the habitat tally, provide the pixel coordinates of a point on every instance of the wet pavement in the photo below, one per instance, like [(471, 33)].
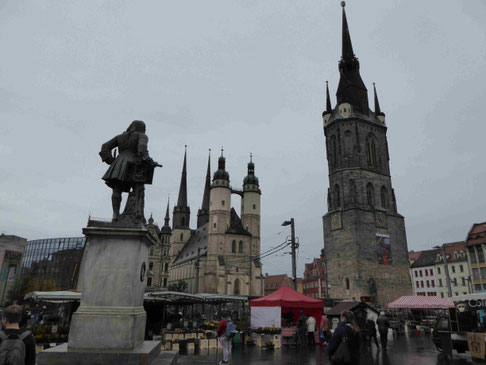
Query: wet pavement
[(404, 349)]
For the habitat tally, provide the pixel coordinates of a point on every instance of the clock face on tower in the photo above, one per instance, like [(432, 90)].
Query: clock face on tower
[(336, 221), (380, 219)]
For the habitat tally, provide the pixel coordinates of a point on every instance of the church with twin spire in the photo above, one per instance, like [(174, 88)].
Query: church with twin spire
[(219, 256), (364, 235)]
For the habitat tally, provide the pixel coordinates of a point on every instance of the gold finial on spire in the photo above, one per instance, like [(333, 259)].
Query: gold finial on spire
[(222, 149), (343, 3)]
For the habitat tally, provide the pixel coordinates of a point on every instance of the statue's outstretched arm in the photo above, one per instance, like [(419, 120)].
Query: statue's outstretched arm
[(106, 148)]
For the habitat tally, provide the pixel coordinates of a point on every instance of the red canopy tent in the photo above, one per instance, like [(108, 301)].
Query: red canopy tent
[(291, 301)]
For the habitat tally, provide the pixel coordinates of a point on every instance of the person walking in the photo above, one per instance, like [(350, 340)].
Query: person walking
[(226, 330), (324, 329), (347, 331), (371, 327), (302, 329), (383, 326), (311, 329), (16, 346)]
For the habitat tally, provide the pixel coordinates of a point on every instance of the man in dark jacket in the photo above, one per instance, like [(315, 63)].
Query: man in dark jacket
[(11, 330), (383, 326), (371, 327), (349, 330)]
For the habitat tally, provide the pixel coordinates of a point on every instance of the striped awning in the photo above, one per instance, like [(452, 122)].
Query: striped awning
[(421, 302)]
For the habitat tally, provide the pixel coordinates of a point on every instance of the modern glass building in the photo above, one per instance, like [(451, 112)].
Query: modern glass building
[(54, 259)]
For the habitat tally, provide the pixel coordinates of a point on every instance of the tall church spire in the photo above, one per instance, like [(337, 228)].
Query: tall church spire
[(166, 228), (377, 104), (203, 213), (167, 218), (347, 51), (182, 212), (351, 88), (182, 201), (328, 100)]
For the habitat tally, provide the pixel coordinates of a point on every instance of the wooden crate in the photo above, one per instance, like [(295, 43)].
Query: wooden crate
[(168, 337), (175, 346), (168, 345), (200, 335), (187, 336), (213, 343), (190, 346), (203, 343)]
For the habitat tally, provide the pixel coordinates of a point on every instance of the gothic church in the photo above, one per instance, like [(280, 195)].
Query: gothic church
[(364, 235), (221, 255)]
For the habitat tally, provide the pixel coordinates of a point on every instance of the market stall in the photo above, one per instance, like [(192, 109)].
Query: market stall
[(418, 312), (281, 309)]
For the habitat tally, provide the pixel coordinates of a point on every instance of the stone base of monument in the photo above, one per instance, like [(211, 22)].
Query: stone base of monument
[(144, 354), (109, 325)]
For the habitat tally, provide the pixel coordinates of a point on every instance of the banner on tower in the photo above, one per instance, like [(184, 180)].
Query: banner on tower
[(383, 249)]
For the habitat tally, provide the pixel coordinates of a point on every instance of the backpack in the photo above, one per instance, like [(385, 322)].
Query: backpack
[(230, 330), (12, 348)]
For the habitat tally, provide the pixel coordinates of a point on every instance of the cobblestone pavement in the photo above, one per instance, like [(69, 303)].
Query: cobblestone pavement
[(404, 349)]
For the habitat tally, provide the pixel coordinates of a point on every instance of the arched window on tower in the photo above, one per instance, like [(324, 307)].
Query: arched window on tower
[(240, 247), (370, 194), (183, 221), (337, 197), (347, 284), (233, 246), (236, 287), (371, 157), (348, 143), (333, 150), (384, 197), (352, 191)]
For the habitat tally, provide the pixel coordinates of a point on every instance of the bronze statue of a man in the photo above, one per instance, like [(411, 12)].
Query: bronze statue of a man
[(129, 171)]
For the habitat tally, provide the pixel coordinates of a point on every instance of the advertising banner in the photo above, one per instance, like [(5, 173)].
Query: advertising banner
[(383, 249)]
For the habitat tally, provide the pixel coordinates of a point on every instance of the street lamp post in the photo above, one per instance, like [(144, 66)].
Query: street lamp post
[(292, 238), (446, 268)]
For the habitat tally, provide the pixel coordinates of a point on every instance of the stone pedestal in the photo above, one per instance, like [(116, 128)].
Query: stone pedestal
[(110, 320)]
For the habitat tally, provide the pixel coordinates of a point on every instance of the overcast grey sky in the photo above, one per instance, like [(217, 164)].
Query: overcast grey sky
[(247, 75)]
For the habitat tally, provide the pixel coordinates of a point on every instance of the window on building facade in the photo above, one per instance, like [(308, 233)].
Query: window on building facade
[(347, 284), (461, 268), (384, 198), (463, 280), (432, 283), (420, 272), (438, 270), (472, 255), (166, 267), (151, 266), (440, 282), (371, 151), (240, 247), (453, 268), (483, 273), (233, 246), (442, 295), (149, 281), (370, 194), (428, 284), (151, 252), (480, 252), (416, 274), (431, 272), (475, 274), (182, 236)]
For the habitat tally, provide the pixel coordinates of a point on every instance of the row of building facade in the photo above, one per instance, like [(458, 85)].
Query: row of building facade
[(462, 270)]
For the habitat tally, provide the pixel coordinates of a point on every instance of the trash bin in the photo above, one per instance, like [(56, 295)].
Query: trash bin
[(237, 338)]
